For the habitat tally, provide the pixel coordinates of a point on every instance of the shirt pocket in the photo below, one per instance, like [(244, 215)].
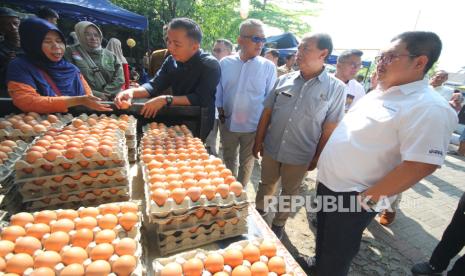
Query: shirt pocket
[(284, 99), (381, 114), (317, 107)]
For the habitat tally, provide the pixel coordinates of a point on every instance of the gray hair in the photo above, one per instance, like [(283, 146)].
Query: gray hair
[(348, 53), (323, 41), (250, 23)]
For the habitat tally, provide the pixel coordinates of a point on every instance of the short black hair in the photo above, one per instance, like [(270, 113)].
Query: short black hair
[(46, 12), (420, 43), (348, 53), (288, 57), (273, 52), (324, 41), (226, 43), (192, 29)]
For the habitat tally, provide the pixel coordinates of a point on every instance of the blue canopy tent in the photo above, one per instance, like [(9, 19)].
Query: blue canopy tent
[(285, 44), (97, 11)]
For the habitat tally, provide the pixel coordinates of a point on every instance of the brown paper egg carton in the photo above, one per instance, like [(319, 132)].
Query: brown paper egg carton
[(205, 222), (9, 165), (171, 245), (75, 201), (132, 122), (37, 173), (210, 212), (159, 263)]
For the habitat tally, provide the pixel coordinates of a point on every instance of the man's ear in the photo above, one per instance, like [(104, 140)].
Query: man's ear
[(324, 54), (421, 62)]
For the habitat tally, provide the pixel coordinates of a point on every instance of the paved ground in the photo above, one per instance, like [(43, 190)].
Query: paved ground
[(425, 212)]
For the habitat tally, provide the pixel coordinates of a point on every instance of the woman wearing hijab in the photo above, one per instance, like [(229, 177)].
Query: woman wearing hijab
[(41, 80), (99, 66), (114, 46)]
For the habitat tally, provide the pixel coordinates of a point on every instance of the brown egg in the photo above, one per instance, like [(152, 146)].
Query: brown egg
[(5, 124), (126, 246), (128, 220), (77, 123), (277, 265), (160, 196), (82, 238), (43, 271), (45, 216), (47, 259), (6, 247), (64, 225), (52, 118), (124, 265), (171, 269), (214, 262), (8, 143), (268, 248), (129, 207), (71, 153), (32, 156), (67, 214), (223, 190), (108, 221), (109, 208), (89, 212), (178, 195), (74, 255), (27, 245), (43, 143), (38, 149), (259, 269), (209, 191), (102, 251), (236, 188), (98, 268), (2, 264), (105, 150), (105, 236), (21, 219), (233, 257), (13, 232), (193, 267), (89, 151), (241, 270), (251, 253), (83, 164), (86, 222), (19, 263), (194, 193), (26, 128), (73, 270), (56, 241), (39, 128)]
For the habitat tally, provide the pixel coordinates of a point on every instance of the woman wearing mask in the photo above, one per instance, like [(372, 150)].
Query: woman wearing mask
[(114, 46), (99, 66), (41, 80)]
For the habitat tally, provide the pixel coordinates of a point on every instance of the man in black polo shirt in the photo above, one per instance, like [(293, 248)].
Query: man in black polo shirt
[(192, 74)]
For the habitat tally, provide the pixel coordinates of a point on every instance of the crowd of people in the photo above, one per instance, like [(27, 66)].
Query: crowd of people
[(295, 118)]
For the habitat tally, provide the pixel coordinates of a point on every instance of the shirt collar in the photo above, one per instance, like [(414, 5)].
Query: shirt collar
[(192, 60), (410, 87), (322, 77)]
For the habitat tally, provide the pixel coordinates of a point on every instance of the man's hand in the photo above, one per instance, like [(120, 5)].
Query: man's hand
[(152, 106), (124, 98), (92, 102), (257, 150)]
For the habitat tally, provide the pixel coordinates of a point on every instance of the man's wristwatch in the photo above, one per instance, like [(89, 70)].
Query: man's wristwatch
[(169, 100), (370, 203)]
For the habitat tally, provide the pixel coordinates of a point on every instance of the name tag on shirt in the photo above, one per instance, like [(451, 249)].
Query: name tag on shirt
[(284, 93)]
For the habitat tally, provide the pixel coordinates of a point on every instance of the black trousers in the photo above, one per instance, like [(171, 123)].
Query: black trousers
[(452, 241), (339, 234)]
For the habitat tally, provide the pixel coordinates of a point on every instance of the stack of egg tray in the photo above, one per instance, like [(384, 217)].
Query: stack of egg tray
[(130, 131), (9, 132), (50, 217), (189, 224), (70, 183), (290, 266), (10, 199)]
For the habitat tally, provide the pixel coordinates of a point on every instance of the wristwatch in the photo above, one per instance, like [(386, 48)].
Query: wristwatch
[(169, 100), (370, 203)]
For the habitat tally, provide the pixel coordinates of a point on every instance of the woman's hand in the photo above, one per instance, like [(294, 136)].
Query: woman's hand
[(93, 102)]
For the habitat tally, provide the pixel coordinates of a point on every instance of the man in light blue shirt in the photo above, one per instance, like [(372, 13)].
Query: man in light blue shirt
[(246, 80)]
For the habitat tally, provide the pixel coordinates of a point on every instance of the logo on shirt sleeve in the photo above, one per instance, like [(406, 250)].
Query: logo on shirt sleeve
[(436, 152)]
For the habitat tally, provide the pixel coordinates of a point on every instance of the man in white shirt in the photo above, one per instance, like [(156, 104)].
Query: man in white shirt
[(348, 64), (395, 136), (246, 80), (222, 48), (437, 81)]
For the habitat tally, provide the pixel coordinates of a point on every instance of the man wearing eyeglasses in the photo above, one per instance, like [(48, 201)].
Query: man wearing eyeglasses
[(392, 138), (246, 80), (222, 48), (299, 116), (348, 64)]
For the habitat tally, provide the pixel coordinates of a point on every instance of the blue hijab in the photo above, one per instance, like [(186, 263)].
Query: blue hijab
[(64, 74)]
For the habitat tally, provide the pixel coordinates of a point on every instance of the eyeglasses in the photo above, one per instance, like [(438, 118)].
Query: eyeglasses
[(254, 38), (92, 35), (353, 64), (217, 50), (389, 58)]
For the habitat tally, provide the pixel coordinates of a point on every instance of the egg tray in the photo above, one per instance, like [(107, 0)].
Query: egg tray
[(170, 246), (56, 170), (9, 165), (206, 225), (16, 134), (74, 201), (7, 183), (132, 155), (131, 144), (132, 122), (220, 213), (30, 195)]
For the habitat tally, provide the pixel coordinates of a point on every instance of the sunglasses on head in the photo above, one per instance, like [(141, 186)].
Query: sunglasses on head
[(254, 38)]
